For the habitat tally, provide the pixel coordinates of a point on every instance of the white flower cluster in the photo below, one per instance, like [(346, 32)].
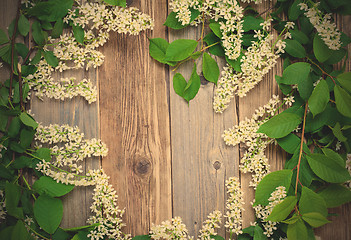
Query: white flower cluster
[(209, 226), (167, 230), (348, 167), (229, 12), (254, 159), (259, 58), (2, 206), (106, 210), (326, 29), (65, 167), (262, 212), (97, 19), (235, 203), (1, 148)]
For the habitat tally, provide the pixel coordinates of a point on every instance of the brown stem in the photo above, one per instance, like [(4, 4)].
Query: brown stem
[(301, 148), (324, 72), (13, 46), (20, 87), (28, 55)]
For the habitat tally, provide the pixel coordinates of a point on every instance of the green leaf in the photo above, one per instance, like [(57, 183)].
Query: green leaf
[(338, 134), (335, 195), (142, 237), (210, 68), (252, 23), (296, 73), (21, 49), (193, 85), (258, 233), (319, 98), (327, 168), (58, 28), (297, 231), (216, 237), (78, 33), (28, 120), (335, 156), (269, 184), (321, 51), (47, 185), (236, 64), (37, 33), (216, 29), (3, 37), (50, 58), (336, 56), (312, 202), (280, 125), (46, 25), (291, 220), (315, 219), (87, 227), (342, 100), (35, 60), (12, 197), (289, 143), (60, 234), (26, 137), (179, 84), (216, 49), (172, 20), (294, 48), (14, 146), (3, 122), (283, 209), (22, 162), (14, 127), (23, 25), (6, 233), (158, 48), (121, 3), (294, 10), (180, 49), (299, 36), (5, 53), (51, 10), (44, 154), (5, 173), (345, 80), (20, 232), (48, 212), (4, 96)]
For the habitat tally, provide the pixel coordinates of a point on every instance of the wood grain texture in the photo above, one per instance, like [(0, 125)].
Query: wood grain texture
[(201, 162), (134, 111)]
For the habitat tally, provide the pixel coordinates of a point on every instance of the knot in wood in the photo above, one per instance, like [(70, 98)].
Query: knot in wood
[(217, 165), (203, 80), (142, 166)]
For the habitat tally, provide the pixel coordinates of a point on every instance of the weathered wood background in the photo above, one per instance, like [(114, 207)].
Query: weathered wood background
[(166, 158)]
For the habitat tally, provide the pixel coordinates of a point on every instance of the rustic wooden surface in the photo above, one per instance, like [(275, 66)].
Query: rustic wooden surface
[(166, 158)]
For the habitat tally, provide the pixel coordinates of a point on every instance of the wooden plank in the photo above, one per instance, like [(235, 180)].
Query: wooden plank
[(201, 162), (135, 124)]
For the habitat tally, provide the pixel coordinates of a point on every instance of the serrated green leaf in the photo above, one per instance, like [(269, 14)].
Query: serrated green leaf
[(216, 49), (335, 156), (280, 125), (21, 49), (60, 234), (319, 98), (236, 64), (16, 147), (327, 168), (269, 184), (335, 195), (20, 232), (36, 59), (210, 68), (321, 51), (294, 10), (48, 213), (142, 237), (216, 237), (23, 25), (193, 85), (5, 173), (3, 37), (78, 33), (47, 185), (252, 23), (12, 197), (172, 20), (336, 56), (315, 219), (50, 58), (297, 231), (342, 100), (216, 29), (87, 227), (180, 49), (14, 127), (283, 209), (179, 84), (289, 143), (5, 53), (158, 48), (37, 33), (121, 3), (51, 10), (58, 28), (26, 137), (299, 36), (28, 120), (259, 233), (296, 73), (294, 48), (345, 80), (46, 25), (312, 202), (292, 220), (338, 133), (22, 162), (44, 154)]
